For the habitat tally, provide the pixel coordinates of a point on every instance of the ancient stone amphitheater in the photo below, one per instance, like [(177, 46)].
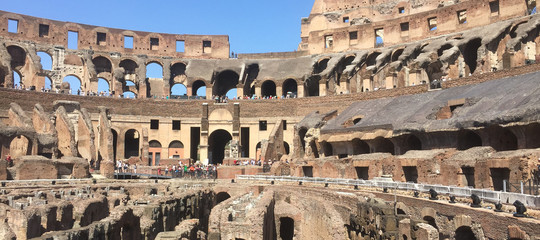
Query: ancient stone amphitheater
[(395, 119)]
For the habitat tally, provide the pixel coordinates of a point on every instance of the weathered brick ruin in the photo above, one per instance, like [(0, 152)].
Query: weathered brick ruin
[(441, 93)]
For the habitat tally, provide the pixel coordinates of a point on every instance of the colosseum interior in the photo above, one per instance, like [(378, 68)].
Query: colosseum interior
[(394, 119)]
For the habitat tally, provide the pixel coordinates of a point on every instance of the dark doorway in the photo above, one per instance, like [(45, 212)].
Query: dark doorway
[(244, 133), (362, 173), (468, 176), (291, 86), (470, 54), (301, 135), (360, 147), (268, 89), (411, 174), (412, 142), (286, 228), (217, 142), (326, 149), (195, 141), (465, 233), (312, 86), (222, 196), (114, 143), (286, 147), (308, 171), (224, 82), (502, 139), (383, 145), (131, 143), (468, 139), (498, 176)]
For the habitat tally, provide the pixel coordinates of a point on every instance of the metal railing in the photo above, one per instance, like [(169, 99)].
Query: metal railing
[(484, 194)]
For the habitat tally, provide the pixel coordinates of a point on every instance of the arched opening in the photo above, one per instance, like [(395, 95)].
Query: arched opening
[(444, 47), (178, 69), (411, 142), (199, 88), (72, 84), (258, 151), (502, 139), (232, 93), (465, 233), (320, 66), (17, 80), (301, 135), (372, 59), (312, 86), (129, 66), (131, 143), (130, 83), (397, 54), (290, 88), (129, 94), (222, 196), (383, 145), (154, 70), (178, 91), (360, 147), (268, 89), (286, 147), (468, 139), (431, 221), (326, 149), (18, 57), (103, 86), (114, 143), (217, 142), (470, 53), (154, 153), (224, 82), (176, 149), (46, 60), (286, 228), (19, 146), (252, 74), (48, 84), (102, 64)]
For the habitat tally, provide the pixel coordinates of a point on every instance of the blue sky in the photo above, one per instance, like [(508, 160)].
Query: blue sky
[(253, 26)]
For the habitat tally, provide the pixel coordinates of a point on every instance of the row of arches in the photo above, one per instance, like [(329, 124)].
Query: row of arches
[(499, 138)]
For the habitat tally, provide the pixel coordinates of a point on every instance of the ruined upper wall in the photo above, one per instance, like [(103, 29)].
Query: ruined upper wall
[(46, 31), (344, 25)]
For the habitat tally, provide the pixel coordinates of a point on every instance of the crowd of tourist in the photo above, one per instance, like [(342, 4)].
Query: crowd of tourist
[(188, 171)]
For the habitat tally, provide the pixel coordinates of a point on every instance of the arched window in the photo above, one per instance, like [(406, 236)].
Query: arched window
[(154, 70), (178, 91), (74, 84), (46, 60)]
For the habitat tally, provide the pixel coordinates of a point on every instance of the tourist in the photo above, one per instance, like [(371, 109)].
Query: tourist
[(9, 160)]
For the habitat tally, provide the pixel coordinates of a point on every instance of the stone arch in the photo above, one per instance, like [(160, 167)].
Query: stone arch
[(443, 48), (18, 56), (411, 142), (103, 85), (431, 221), (383, 145), (286, 147), (176, 149), (17, 78), (222, 196), (396, 54), (130, 66), (465, 233), (129, 94), (502, 139), (154, 69), (290, 85), (225, 81), (468, 139), (74, 84), (286, 228), (178, 73), (371, 60), (20, 146), (470, 54), (45, 60), (320, 65), (131, 143), (326, 149), (102, 64), (196, 85), (217, 141), (178, 90), (268, 88), (359, 147)]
